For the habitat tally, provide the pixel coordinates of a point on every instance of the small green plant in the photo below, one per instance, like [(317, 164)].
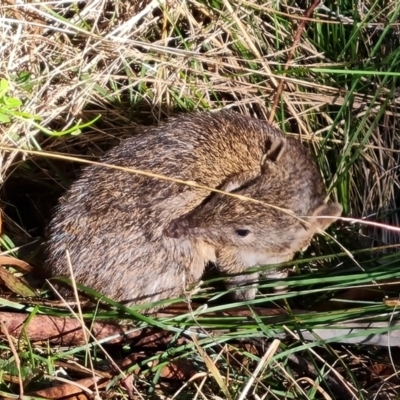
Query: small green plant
[(9, 106), (9, 109)]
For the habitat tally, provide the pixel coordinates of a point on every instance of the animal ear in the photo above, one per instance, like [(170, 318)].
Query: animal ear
[(273, 154), (187, 224), (276, 149), (239, 180), (326, 215)]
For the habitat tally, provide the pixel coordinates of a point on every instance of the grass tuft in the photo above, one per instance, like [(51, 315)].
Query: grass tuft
[(78, 77)]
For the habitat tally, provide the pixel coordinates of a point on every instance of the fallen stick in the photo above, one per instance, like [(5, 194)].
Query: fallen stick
[(68, 331)]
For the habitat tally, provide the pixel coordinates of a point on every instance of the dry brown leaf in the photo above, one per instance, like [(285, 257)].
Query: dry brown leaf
[(18, 264), (15, 284), (73, 389)]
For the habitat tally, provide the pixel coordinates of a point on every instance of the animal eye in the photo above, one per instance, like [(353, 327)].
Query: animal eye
[(242, 232)]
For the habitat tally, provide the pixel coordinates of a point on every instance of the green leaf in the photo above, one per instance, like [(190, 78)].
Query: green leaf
[(3, 87), (27, 115), (4, 119), (75, 130), (12, 102)]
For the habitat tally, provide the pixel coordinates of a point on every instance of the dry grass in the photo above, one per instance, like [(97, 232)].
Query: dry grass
[(136, 62)]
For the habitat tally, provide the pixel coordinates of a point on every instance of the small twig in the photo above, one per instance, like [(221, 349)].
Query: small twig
[(4, 330), (79, 316), (297, 38), (266, 358)]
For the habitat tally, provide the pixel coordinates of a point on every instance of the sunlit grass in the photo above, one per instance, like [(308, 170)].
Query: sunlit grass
[(135, 63)]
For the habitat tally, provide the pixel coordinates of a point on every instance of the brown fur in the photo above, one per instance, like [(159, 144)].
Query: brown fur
[(246, 234), (140, 239)]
